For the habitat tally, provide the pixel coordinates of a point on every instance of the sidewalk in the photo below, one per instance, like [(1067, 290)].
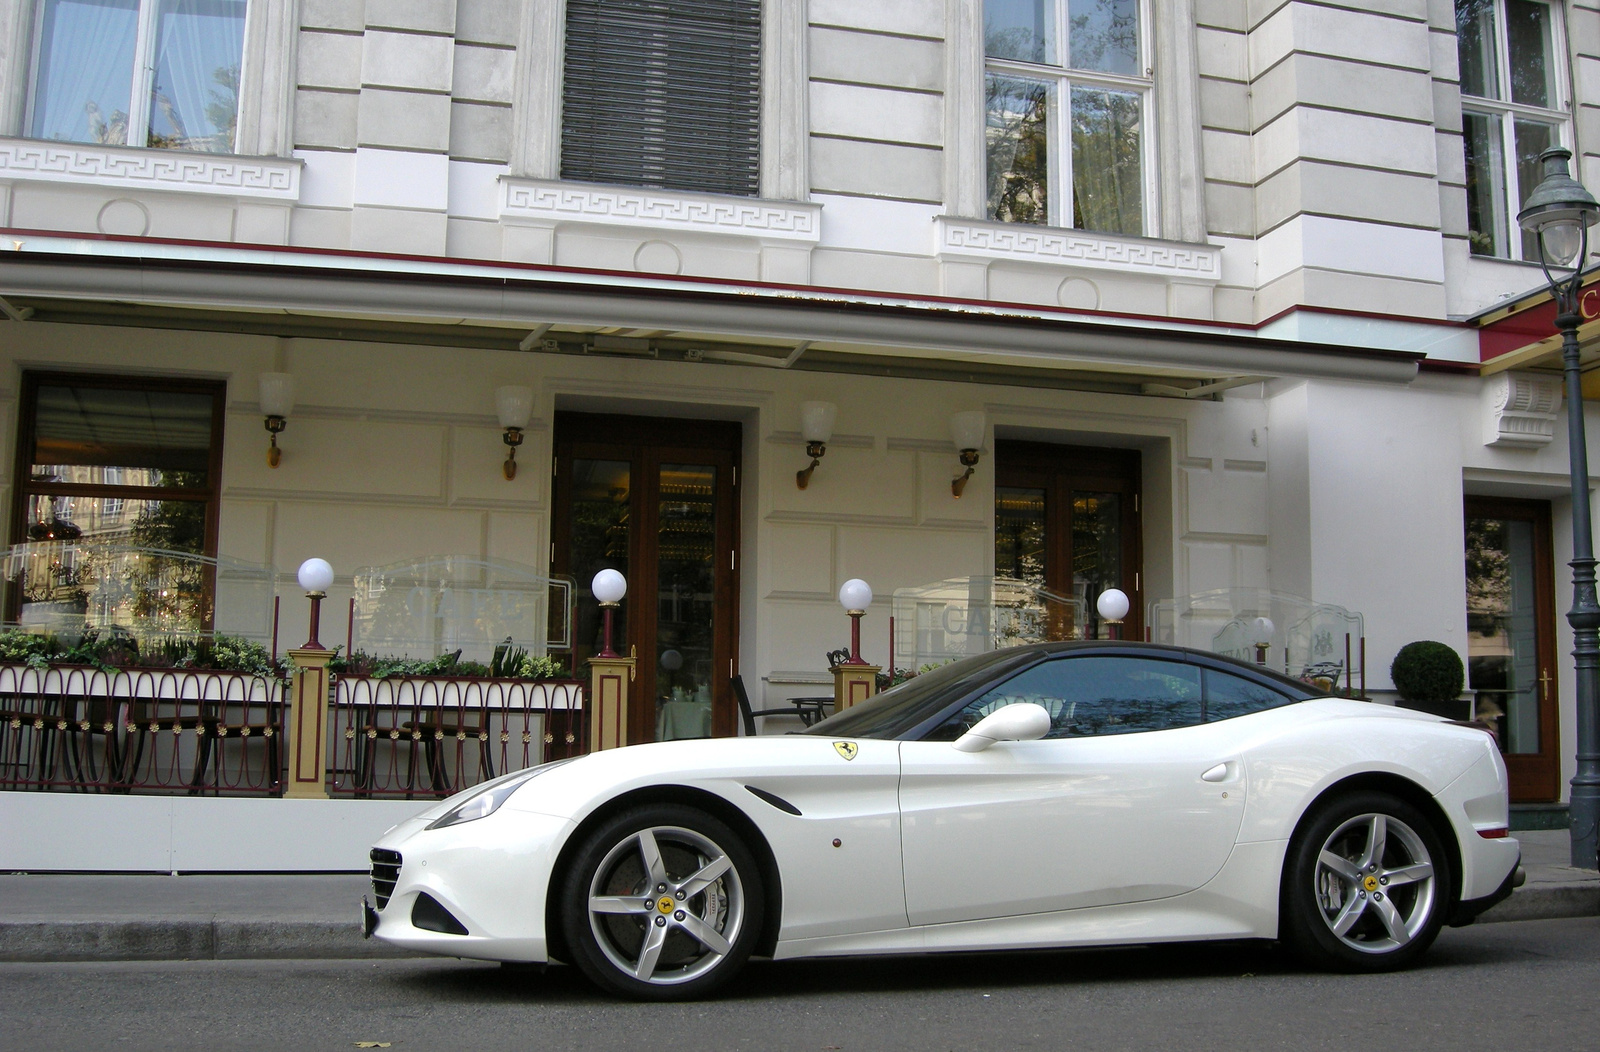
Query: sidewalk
[(152, 918)]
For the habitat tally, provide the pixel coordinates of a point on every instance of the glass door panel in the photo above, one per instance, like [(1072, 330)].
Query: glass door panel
[(598, 539), (686, 536), (1510, 630), (1096, 552)]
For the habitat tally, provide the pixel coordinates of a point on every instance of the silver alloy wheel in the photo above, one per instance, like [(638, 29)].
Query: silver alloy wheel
[(1374, 883), (666, 905)]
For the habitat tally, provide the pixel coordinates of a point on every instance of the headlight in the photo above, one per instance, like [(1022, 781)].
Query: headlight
[(490, 796)]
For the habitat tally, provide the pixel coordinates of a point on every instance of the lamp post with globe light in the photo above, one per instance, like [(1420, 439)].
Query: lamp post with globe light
[(1559, 214)]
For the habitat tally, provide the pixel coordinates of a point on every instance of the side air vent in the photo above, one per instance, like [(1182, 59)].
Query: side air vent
[(774, 799), (429, 915), (385, 871)]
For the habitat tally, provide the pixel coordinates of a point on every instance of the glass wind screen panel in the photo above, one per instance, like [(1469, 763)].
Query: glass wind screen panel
[(1095, 696), (84, 71), (1475, 48), (1533, 138), (599, 541), (1019, 525), (1107, 182), (98, 434), (1024, 30), (1528, 49), (1018, 146), (194, 99), (686, 541), (1486, 193), (1096, 551), (1502, 629), (97, 580), (1103, 35)]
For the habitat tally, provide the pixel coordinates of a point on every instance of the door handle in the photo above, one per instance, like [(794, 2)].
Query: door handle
[(1216, 774)]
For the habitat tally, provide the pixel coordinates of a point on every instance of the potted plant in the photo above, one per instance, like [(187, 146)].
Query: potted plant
[(1430, 678)]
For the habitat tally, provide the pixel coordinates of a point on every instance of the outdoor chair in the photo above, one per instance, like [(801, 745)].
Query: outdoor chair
[(807, 710)]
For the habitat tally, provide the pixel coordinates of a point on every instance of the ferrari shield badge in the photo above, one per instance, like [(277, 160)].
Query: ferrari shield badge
[(846, 749)]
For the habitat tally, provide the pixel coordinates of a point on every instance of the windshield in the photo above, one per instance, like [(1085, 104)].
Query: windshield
[(899, 709)]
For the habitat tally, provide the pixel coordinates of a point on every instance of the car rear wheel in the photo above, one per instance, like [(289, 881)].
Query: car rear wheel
[(661, 903), (1366, 885)]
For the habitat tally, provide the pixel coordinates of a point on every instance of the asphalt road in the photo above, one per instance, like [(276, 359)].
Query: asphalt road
[(1531, 985)]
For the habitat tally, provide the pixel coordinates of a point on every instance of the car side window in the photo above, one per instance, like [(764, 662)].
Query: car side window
[(1094, 696), (1228, 696)]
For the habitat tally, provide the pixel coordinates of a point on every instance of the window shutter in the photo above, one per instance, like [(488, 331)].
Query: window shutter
[(664, 94)]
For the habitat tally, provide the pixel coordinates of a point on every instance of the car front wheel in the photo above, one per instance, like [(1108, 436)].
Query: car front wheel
[(661, 903), (1366, 885)]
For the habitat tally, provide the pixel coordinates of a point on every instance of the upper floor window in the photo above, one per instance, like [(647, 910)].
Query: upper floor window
[(1512, 111), (1067, 87), (162, 73), (663, 94)]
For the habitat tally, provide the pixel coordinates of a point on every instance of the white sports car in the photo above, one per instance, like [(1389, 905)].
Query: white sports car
[(1070, 794)]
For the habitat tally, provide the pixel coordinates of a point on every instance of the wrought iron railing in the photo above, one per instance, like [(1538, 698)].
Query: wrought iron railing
[(419, 737), (85, 729)]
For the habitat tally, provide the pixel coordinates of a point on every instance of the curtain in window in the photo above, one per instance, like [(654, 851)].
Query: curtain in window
[(85, 70), (1107, 188), (194, 98)]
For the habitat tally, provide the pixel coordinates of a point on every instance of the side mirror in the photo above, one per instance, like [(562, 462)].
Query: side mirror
[(1022, 722)]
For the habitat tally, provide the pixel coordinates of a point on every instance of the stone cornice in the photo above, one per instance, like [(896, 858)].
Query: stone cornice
[(549, 201), (126, 168), (1171, 260)]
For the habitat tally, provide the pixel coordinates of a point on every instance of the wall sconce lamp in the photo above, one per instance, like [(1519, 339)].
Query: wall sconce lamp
[(966, 431), (277, 402), (514, 405), (816, 427)]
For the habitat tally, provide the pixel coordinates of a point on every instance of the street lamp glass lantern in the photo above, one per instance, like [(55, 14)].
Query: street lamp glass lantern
[(1559, 209)]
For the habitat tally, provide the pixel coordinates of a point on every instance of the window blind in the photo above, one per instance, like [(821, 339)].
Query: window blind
[(663, 94)]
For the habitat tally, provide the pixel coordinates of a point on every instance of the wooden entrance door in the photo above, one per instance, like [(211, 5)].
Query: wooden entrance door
[(1511, 654), (1067, 520), (656, 500)]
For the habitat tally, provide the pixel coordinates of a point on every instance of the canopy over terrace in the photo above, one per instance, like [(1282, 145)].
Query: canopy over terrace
[(343, 295), (1520, 333)]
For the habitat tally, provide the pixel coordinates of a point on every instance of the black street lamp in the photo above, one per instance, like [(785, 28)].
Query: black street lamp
[(1560, 212)]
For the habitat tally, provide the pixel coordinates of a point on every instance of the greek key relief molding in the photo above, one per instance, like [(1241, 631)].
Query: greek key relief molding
[(1078, 248), (124, 168), (557, 202)]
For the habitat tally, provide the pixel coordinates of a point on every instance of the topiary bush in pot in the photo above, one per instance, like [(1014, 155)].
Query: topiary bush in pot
[(1430, 678)]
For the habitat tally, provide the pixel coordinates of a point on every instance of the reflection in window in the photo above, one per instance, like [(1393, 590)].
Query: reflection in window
[(98, 78), (600, 491), (1511, 112), (1228, 696), (1074, 122), (685, 600), (1502, 629), (1094, 696), (118, 499)]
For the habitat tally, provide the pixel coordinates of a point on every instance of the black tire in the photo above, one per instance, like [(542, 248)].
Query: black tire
[(632, 946), (1343, 908)]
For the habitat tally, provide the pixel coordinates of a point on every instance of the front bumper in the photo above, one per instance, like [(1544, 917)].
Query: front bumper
[(491, 875)]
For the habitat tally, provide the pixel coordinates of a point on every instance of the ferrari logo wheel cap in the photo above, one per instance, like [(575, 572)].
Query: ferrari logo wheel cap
[(666, 904), (1370, 883), (846, 749)]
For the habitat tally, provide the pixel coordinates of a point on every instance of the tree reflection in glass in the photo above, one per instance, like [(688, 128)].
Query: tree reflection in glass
[(1016, 130)]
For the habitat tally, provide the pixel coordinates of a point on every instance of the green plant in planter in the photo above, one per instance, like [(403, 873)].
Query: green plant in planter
[(1428, 672)]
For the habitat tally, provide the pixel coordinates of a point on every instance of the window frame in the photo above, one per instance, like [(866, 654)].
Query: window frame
[(143, 76), (1062, 79), (1508, 195), (26, 489)]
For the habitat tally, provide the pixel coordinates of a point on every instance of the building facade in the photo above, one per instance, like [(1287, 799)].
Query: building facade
[(1228, 281)]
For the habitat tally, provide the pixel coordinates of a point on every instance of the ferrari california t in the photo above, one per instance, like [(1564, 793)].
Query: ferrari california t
[(1057, 795)]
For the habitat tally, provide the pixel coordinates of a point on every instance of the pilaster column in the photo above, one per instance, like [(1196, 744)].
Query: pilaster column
[(308, 726), (608, 701)]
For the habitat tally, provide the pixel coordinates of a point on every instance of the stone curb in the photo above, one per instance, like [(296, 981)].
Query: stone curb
[(186, 939), (231, 939), (1548, 901)]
